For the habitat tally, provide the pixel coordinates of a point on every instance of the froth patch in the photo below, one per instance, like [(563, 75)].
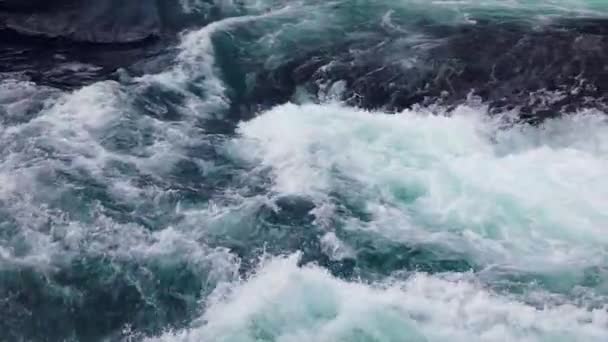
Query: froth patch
[(284, 302), (523, 196)]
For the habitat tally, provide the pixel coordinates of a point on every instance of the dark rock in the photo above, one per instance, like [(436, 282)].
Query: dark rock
[(100, 21), (542, 72), (70, 43)]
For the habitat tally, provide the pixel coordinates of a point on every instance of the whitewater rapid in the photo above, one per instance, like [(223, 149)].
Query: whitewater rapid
[(284, 302), (529, 197), (244, 193), (522, 204)]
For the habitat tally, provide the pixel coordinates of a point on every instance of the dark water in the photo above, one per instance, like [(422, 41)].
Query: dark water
[(296, 170)]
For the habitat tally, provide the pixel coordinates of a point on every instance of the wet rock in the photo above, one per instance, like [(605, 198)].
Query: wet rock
[(70, 43), (540, 72), (100, 21)]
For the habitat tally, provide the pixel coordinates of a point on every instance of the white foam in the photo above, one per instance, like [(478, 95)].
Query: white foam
[(73, 132), (18, 98), (336, 249), (69, 136), (195, 66), (526, 197), (286, 303)]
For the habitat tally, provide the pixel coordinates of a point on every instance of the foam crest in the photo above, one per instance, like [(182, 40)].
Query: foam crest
[(284, 302), (195, 72), (528, 197)]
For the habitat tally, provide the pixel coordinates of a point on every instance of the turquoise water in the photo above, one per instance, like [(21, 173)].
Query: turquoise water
[(171, 206)]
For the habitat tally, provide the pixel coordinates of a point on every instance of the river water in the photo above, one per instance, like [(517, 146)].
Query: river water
[(348, 170)]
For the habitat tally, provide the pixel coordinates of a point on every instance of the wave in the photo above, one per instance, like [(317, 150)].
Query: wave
[(523, 198), (284, 302), (141, 193)]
